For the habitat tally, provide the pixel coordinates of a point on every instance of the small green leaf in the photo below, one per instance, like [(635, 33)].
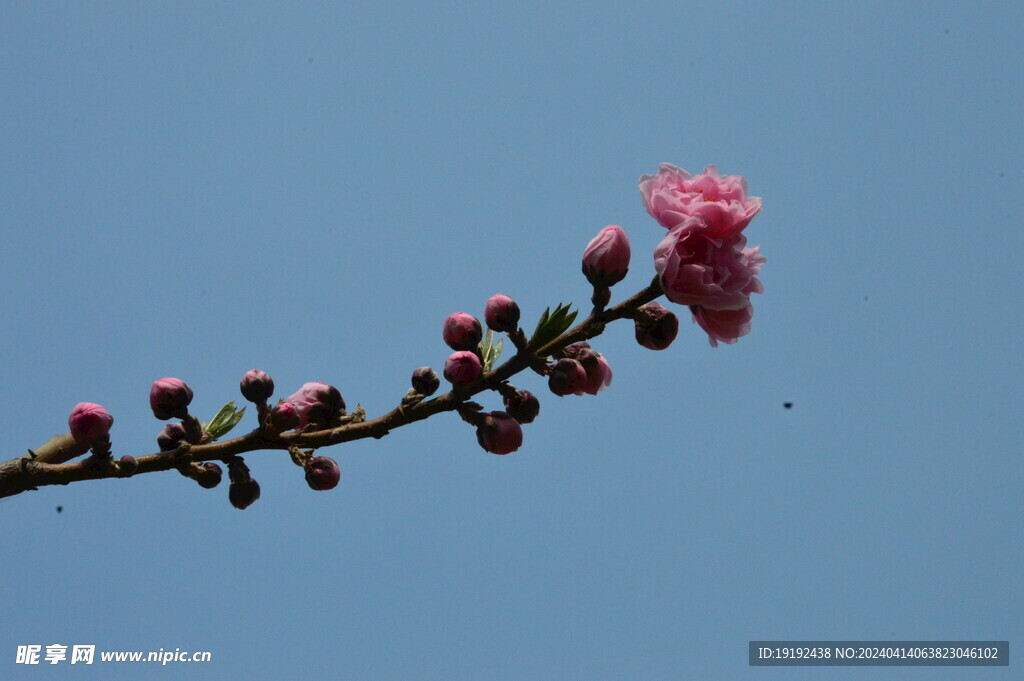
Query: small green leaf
[(552, 325), (226, 419), (489, 350)]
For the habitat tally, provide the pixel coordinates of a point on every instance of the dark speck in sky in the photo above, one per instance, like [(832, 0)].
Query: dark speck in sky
[(787, 405), (60, 509)]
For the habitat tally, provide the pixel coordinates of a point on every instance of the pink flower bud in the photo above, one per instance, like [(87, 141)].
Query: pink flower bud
[(600, 377), (501, 314), (606, 258), (211, 476), (317, 403), (244, 493), (425, 381), (89, 423), (462, 331), (656, 327), (568, 377), (499, 433), (171, 437), (285, 416), (169, 398), (322, 473), (463, 367), (128, 465), (243, 490), (257, 386), (523, 406)]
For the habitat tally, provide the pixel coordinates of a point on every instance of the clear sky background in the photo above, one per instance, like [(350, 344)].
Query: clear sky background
[(197, 189)]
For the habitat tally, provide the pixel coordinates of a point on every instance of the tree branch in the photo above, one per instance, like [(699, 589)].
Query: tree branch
[(48, 465)]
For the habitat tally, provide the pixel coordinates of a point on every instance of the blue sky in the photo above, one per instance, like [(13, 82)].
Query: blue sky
[(197, 189)]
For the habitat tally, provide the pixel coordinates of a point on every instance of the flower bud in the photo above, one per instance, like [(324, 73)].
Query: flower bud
[(656, 326), (606, 258), (425, 381), (462, 331), (317, 403), (600, 377), (243, 493), (499, 433), (568, 377), (463, 367), (89, 423), (284, 416), (170, 437), (169, 398), (501, 314), (523, 406), (211, 475), (128, 465), (257, 386), (322, 473)]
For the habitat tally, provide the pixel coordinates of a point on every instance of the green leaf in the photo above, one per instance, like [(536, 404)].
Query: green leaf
[(552, 325), (226, 419), (489, 350)]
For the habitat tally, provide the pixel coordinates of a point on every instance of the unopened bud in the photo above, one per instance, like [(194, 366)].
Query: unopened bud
[(606, 258), (127, 466), (463, 367), (656, 326), (568, 377), (501, 314), (499, 433), (169, 398), (210, 476), (322, 473), (317, 403), (242, 494), (170, 437), (89, 423), (523, 406), (284, 416), (462, 331), (425, 381), (257, 386)]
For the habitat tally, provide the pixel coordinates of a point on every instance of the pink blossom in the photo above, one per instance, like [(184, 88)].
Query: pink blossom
[(698, 269), (723, 325), (673, 195), (606, 258)]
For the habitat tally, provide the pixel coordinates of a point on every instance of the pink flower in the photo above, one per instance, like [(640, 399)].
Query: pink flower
[(696, 268), (606, 258), (723, 325), (89, 423), (673, 195)]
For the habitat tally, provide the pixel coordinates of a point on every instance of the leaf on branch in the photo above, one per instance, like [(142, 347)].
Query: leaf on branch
[(226, 419), (552, 325), (490, 351)]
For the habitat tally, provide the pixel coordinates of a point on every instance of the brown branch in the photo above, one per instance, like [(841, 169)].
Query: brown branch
[(47, 464)]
